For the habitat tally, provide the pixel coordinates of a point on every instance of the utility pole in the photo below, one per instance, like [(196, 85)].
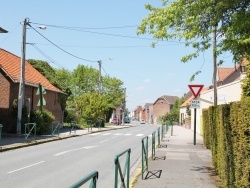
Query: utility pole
[(124, 107), (22, 79), (100, 75), (215, 65)]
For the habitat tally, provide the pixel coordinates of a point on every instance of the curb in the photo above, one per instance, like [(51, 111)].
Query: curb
[(42, 141)]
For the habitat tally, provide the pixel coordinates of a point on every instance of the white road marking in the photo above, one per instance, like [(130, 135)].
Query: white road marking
[(26, 167), (117, 134), (134, 130), (139, 135), (127, 134), (89, 147), (106, 134), (104, 141), (64, 152)]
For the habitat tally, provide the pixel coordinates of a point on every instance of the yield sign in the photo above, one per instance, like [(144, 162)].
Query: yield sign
[(195, 89)]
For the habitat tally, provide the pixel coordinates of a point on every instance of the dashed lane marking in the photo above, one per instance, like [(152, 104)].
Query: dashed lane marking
[(26, 167), (139, 135)]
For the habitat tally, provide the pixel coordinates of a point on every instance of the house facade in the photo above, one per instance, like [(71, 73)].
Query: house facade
[(137, 113), (228, 90), (147, 113), (9, 86), (162, 106)]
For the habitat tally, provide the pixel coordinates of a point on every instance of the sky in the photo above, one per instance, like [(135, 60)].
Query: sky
[(106, 31)]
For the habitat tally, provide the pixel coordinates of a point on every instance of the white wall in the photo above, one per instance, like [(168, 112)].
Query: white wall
[(226, 94)]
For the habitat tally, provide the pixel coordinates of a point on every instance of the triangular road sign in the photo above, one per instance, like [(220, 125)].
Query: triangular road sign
[(195, 89)]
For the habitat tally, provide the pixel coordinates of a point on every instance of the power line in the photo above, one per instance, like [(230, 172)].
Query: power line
[(67, 27), (80, 46), (107, 34), (60, 47), (46, 55)]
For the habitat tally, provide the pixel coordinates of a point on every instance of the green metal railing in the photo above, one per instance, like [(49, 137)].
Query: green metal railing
[(126, 171), (89, 125), (55, 128), (30, 130), (172, 128), (1, 126), (93, 176), (99, 124), (159, 140), (162, 132), (153, 145), (73, 127), (144, 155)]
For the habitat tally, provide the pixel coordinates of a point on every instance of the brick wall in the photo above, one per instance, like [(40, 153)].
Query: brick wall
[(161, 107), (9, 92)]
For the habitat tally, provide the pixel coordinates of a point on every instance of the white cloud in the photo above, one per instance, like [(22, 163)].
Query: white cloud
[(140, 88), (147, 80)]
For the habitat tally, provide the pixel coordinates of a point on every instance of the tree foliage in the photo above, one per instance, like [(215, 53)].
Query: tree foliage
[(174, 112), (81, 86), (194, 22), (91, 106)]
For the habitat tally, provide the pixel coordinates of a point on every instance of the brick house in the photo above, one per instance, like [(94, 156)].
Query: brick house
[(137, 113), (9, 87), (146, 113), (162, 106)]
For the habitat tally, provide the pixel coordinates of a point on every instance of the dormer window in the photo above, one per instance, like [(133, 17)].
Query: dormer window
[(243, 68)]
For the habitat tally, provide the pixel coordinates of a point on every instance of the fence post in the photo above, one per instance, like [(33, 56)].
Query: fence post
[(27, 128), (153, 145), (1, 126), (99, 124), (89, 125), (158, 137), (57, 128), (93, 176), (126, 170), (144, 155)]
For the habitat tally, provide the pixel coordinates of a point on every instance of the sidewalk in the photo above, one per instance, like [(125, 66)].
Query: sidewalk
[(179, 163), (13, 141)]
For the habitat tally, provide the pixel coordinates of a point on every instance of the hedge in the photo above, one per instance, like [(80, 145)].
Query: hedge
[(227, 134)]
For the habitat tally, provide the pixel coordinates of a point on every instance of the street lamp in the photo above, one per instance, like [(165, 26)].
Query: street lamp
[(21, 92)]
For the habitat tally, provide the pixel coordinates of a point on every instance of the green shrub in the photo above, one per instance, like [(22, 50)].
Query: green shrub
[(227, 133), (43, 121), (69, 115)]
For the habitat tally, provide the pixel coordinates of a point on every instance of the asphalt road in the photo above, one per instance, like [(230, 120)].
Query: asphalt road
[(62, 163)]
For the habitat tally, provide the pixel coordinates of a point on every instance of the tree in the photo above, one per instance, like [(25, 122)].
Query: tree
[(174, 112), (57, 77), (202, 24), (91, 106)]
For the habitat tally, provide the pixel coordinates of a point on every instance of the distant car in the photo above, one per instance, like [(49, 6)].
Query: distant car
[(142, 121), (126, 120), (115, 121)]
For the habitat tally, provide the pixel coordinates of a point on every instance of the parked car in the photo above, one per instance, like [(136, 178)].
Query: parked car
[(126, 120), (116, 121), (143, 121)]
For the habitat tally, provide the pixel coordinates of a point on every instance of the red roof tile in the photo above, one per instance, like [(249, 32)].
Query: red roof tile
[(223, 73), (11, 64)]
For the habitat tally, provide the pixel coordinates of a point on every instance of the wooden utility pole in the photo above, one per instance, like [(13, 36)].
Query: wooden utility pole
[(22, 79), (215, 65), (100, 75)]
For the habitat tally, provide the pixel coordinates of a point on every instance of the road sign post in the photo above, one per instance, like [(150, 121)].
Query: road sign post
[(195, 89)]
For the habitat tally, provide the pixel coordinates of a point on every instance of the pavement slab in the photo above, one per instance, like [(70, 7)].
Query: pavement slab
[(179, 163)]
